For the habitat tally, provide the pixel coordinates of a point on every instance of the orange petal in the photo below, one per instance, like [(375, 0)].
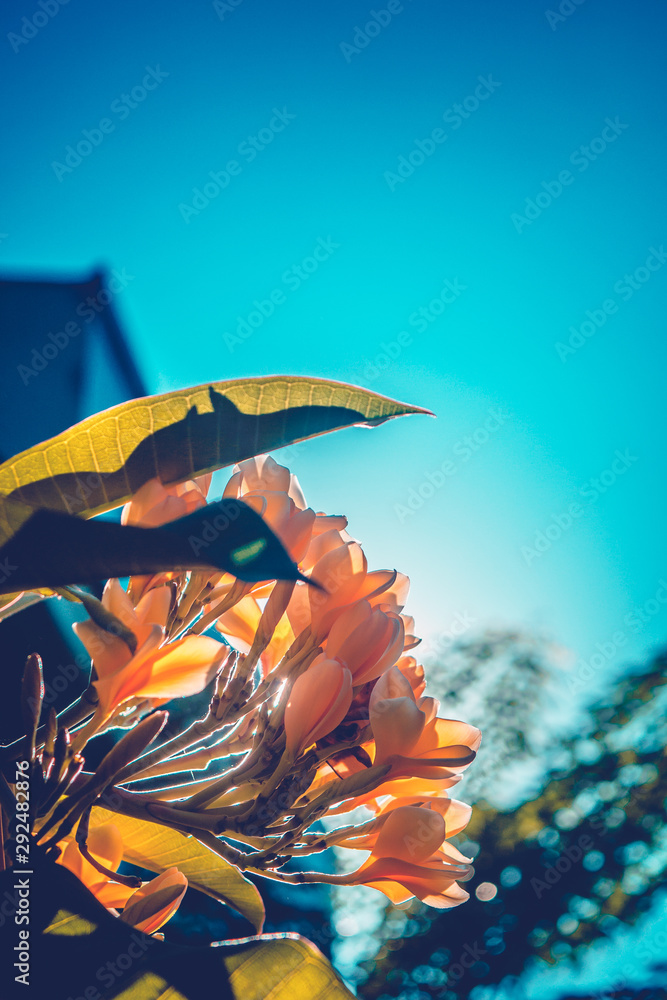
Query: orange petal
[(413, 672), (118, 603), (341, 572), (448, 732), (410, 833), (241, 622), (109, 653), (321, 542), (143, 909), (397, 724), (154, 606), (105, 843), (318, 702), (264, 473), (181, 669), (396, 595)]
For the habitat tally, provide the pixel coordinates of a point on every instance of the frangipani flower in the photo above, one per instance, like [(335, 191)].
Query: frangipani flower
[(413, 673), (456, 814), (146, 908), (418, 788), (394, 597), (151, 906), (276, 495), (240, 624), (318, 702), (453, 813), (161, 673), (292, 525), (406, 860), (405, 737), (343, 573), (105, 843), (366, 639), (263, 474), (155, 504), (396, 719)]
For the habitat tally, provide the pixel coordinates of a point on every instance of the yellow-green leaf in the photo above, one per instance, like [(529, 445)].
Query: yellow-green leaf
[(282, 967), (101, 462), (157, 848)]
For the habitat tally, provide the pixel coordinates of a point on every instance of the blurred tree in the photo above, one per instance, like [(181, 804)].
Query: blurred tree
[(499, 681), (562, 869)]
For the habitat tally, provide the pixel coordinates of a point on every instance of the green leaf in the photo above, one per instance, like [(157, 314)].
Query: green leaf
[(77, 949), (52, 549), (101, 462), (157, 848), (282, 967)]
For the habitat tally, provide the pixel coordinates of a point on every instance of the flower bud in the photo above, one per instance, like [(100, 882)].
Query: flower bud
[(318, 702)]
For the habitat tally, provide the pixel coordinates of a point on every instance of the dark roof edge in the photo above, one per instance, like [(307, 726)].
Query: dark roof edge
[(117, 339)]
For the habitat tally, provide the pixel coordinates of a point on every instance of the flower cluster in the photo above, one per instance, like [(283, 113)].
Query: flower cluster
[(318, 707)]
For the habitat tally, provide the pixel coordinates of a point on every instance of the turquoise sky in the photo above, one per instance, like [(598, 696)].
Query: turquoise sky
[(462, 206)]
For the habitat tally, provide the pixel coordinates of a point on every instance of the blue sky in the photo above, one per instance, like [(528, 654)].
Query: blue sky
[(498, 167)]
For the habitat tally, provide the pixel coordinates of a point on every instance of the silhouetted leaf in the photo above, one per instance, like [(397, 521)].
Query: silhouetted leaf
[(52, 549)]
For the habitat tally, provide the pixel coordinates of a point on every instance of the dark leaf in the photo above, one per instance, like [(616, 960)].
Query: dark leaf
[(52, 549)]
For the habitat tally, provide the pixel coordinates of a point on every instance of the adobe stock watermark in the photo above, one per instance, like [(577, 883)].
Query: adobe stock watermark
[(470, 956), (454, 116), (462, 451), (646, 949), (624, 288), (364, 34), (64, 675), (6, 570), (212, 529), (591, 492), (570, 856), (31, 26), (581, 158), (292, 279), (121, 107), (249, 149), (419, 321), (566, 8), (116, 971), (88, 309), (459, 624), (223, 8), (606, 651)]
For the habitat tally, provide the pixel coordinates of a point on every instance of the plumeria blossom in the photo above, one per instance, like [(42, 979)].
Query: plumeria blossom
[(413, 673), (408, 733), (155, 504), (319, 708), (276, 495), (318, 702), (106, 846), (367, 640), (456, 814), (154, 671), (152, 905), (409, 859), (146, 908)]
